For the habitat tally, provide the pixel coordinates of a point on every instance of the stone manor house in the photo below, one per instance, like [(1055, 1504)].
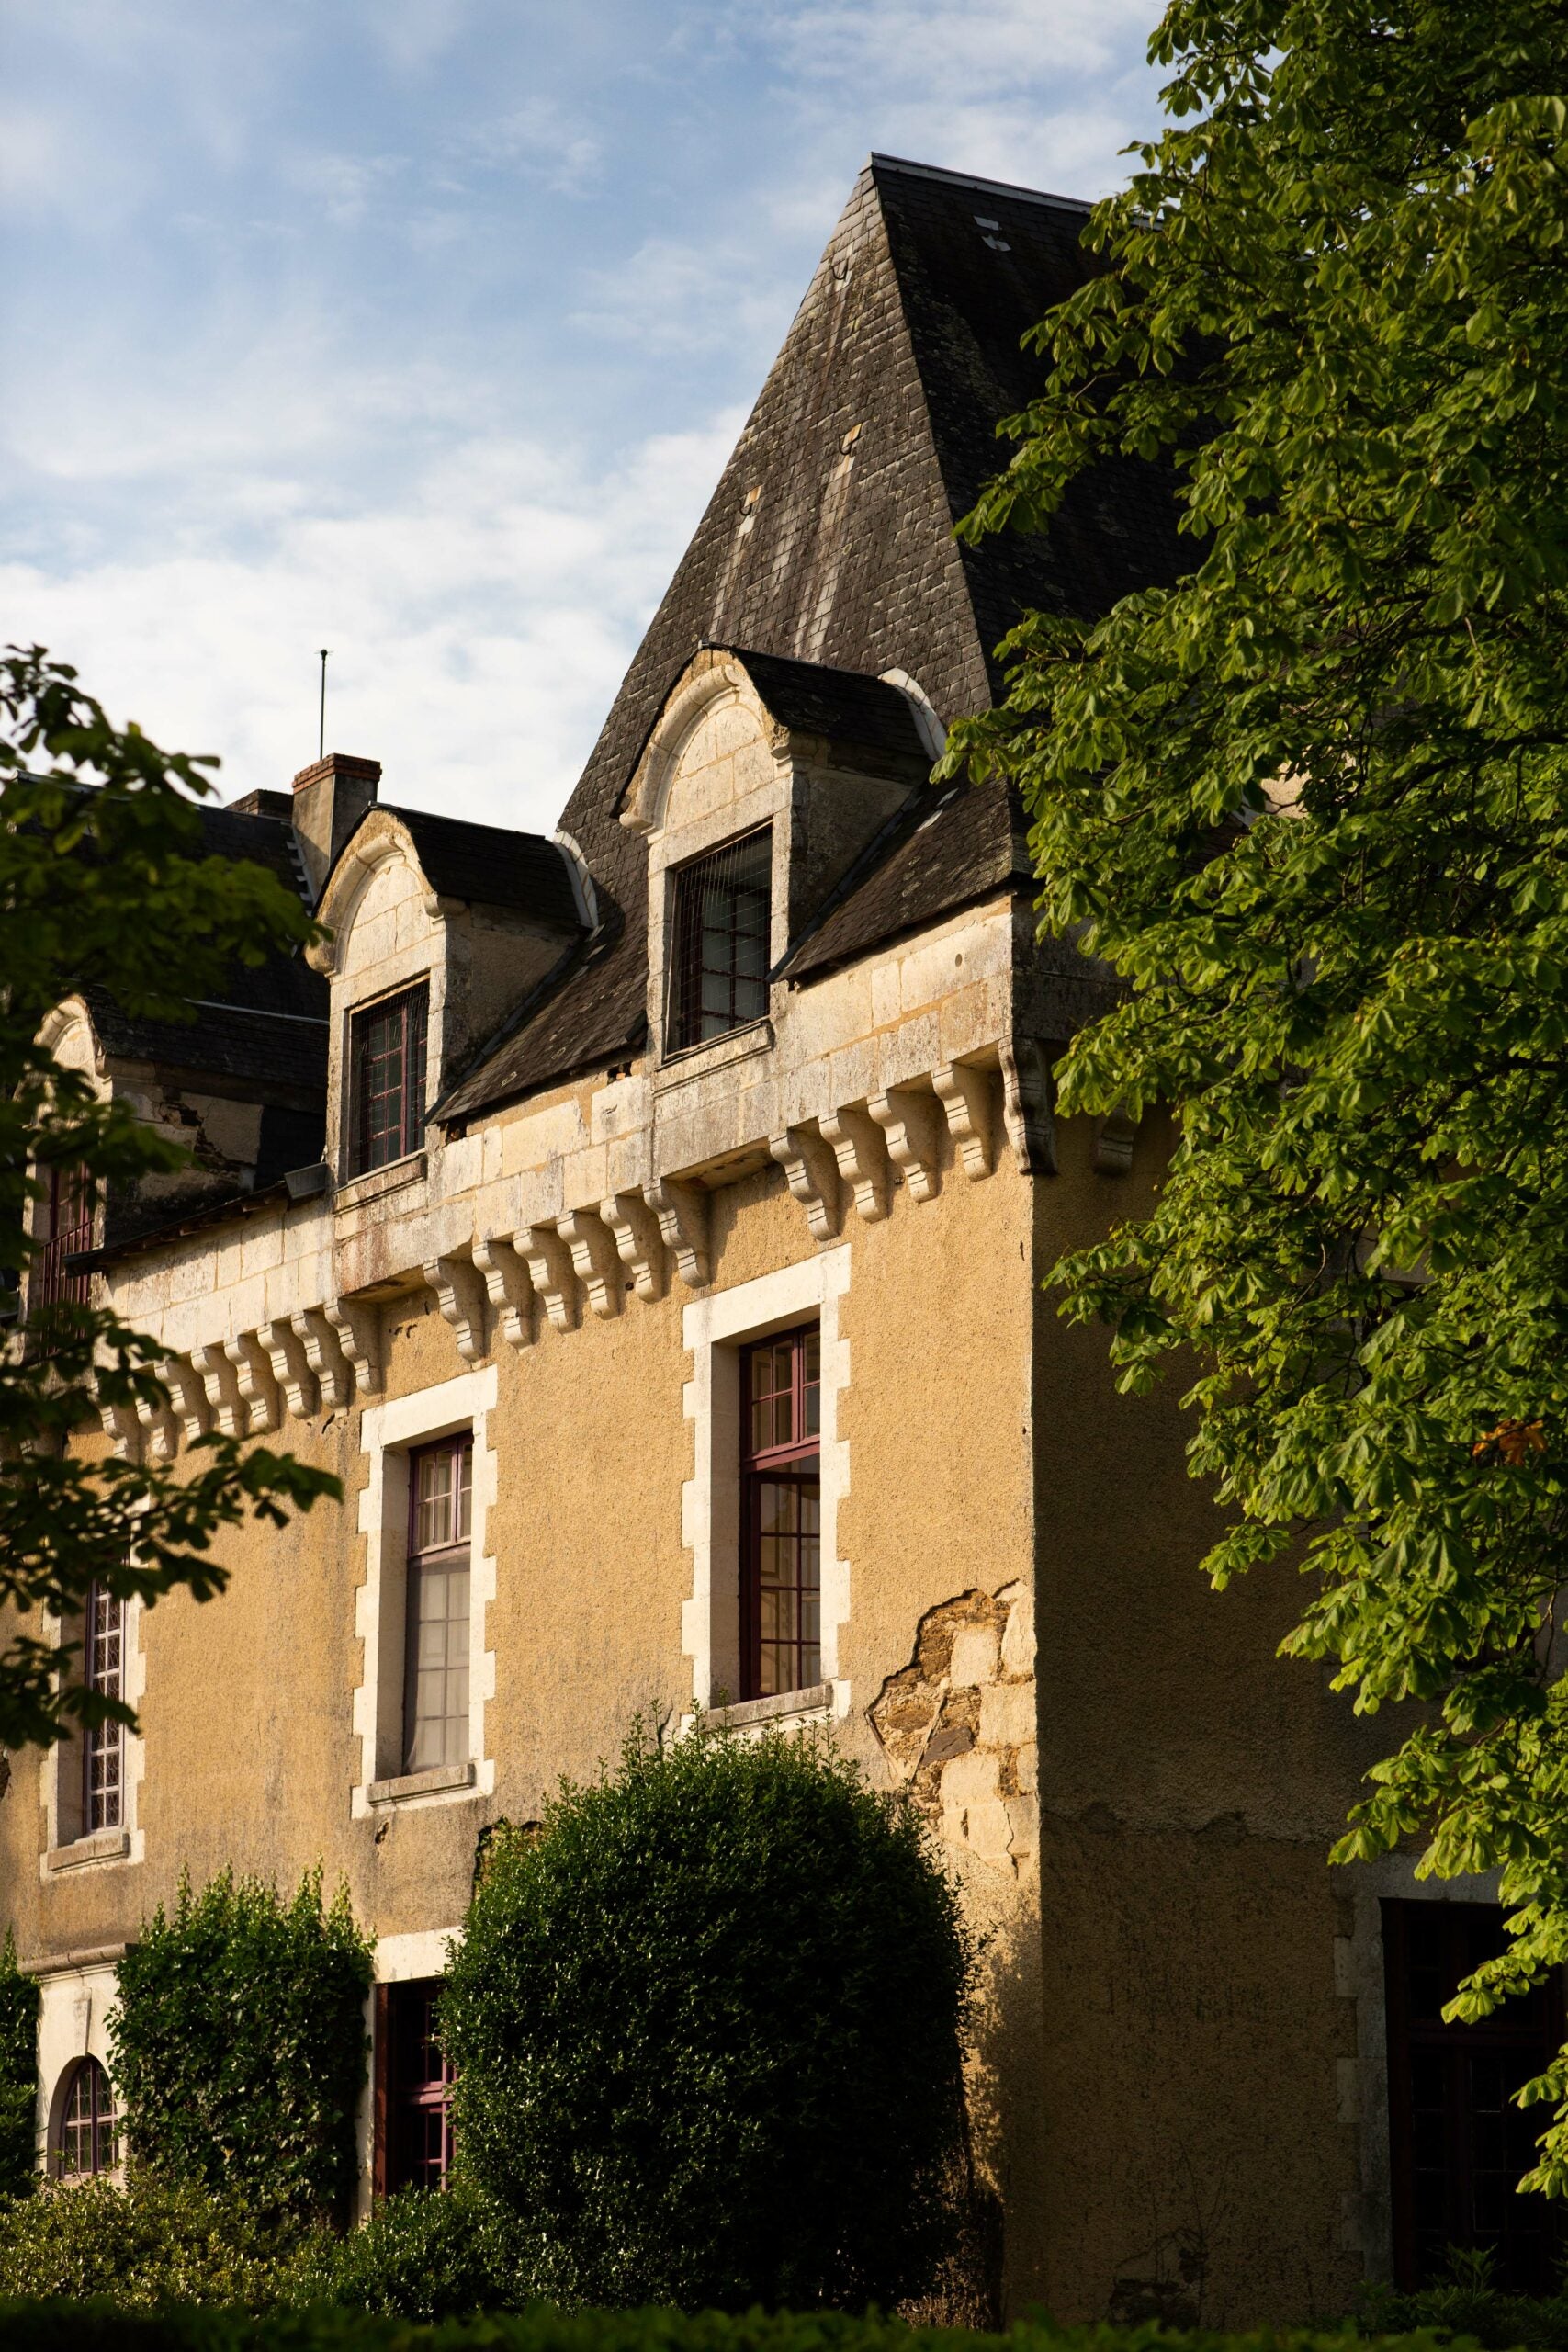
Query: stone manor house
[(648, 1224)]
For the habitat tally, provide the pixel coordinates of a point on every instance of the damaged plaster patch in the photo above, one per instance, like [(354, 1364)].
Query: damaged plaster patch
[(957, 1725)]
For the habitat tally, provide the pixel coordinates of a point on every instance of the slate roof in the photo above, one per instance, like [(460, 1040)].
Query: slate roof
[(829, 541), (491, 865), (846, 707)]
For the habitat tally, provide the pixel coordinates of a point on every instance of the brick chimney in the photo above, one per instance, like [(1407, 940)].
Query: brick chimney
[(330, 797)]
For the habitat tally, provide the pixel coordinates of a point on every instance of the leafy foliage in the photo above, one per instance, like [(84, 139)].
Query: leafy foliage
[(1310, 801), (1468, 2305), (708, 2027), (151, 2242), (19, 2071), (103, 886), (240, 2047), (420, 2257)]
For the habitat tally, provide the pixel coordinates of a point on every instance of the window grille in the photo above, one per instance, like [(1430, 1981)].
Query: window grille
[(1458, 2144), (89, 2125), (68, 1227), (103, 1747), (413, 2089), (435, 1687), (719, 924), (386, 1072), (781, 1578)]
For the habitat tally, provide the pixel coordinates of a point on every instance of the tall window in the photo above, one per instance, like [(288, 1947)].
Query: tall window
[(89, 2125), (413, 2083), (719, 963), (103, 1749), (387, 1080), (436, 1690), (68, 1226), (1457, 2144), (781, 1573)]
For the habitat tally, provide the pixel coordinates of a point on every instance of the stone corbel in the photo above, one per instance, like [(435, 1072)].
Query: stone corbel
[(596, 1260), (121, 1426), (290, 1367), (550, 1272), (324, 1354), (460, 1294), (355, 1329), (1026, 1105), (862, 1156), (1113, 1143), (965, 1093), (638, 1241), (221, 1378), (683, 1214), (158, 1429), (188, 1391), (257, 1388), (508, 1288), (910, 1124), (811, 1172)]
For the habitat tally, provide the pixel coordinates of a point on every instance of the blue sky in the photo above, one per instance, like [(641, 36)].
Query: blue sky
[(421, 329)]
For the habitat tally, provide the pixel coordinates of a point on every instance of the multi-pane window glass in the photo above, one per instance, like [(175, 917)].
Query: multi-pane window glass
[(781, 1574), (89, 2126), (718, 962), (67, 1227), (1457, 2143), (435, 1701), (419, 2089), (103, 1748), (387, 1057)]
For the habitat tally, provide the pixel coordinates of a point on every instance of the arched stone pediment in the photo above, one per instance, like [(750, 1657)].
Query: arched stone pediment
[(380, 857)]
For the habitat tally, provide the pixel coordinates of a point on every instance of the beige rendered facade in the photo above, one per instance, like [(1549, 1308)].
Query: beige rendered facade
[(1180, 2088)]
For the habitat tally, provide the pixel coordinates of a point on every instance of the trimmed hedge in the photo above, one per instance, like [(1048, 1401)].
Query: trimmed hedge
[(706, 2025), (239, 2044), (418, 2257), (85, 2327), (149, 2243), (18, 2072)]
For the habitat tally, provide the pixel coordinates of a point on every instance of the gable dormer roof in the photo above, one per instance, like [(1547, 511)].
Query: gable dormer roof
[(828, 541)]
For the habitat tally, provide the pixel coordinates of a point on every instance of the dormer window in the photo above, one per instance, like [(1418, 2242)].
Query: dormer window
[(387, 1080), (721, 911)]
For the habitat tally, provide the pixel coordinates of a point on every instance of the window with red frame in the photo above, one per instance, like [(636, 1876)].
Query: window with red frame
[(67, 1227), (413, 2089), (781, 1515), (103, 1748), (89, 2125), (1457, 2143), (387, 1058), (435, 1648)]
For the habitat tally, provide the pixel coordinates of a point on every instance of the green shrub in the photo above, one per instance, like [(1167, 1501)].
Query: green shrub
[(239, 2044), (707, 2030), (1466, 2303), (18, 2072), (146, 2243), (422, 2255)]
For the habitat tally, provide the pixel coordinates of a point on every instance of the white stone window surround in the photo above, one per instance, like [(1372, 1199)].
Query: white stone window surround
[(67, 1846), (389, 936), (388, 1433), (74, 2004), (715, 1329), (398, 1960)]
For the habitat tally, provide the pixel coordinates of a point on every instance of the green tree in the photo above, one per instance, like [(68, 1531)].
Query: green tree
[(1310, 799), (18, 2072), (707, 2025), (239, 2044), (102, 884)]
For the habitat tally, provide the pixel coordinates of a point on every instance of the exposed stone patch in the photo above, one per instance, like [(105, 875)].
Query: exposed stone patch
[(957, 1725)]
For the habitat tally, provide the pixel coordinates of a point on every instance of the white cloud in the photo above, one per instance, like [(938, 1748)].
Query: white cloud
[(544, 139), (478, 622)]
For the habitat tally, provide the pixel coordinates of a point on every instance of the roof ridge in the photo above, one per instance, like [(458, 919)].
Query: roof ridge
[(877, 162)]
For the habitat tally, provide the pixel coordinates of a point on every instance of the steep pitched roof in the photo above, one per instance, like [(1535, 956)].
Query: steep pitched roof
[(829, 540), (489, 865)]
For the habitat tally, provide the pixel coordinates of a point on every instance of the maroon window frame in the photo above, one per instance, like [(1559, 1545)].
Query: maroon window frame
[(781, 1514), (387, 1074), (103, 1747), (68, 1226), (1457, 2143), (413, 2089), (89, 2125), (721, 911), (436, 1638)]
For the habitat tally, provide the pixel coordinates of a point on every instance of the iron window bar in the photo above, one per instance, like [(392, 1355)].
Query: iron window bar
[(721, 914)]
